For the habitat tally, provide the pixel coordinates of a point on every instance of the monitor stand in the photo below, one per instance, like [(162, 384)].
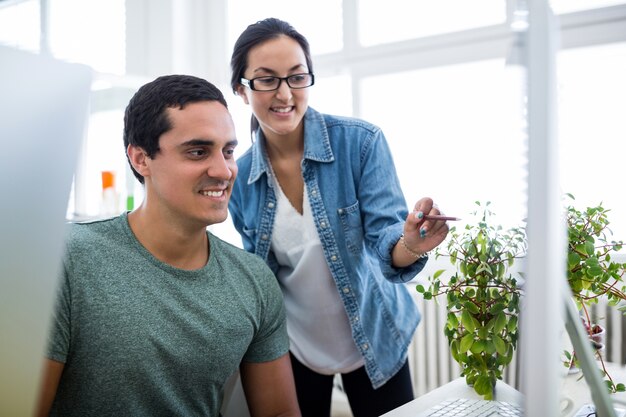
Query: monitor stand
[(582, 347)]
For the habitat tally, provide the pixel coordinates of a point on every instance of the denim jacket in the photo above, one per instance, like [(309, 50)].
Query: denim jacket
[(359, 212)]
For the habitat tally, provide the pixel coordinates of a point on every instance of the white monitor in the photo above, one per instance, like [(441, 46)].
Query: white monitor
[(547, 294), (43, 112)]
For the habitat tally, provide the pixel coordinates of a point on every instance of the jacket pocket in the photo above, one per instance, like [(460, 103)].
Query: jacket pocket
[(350, 218)]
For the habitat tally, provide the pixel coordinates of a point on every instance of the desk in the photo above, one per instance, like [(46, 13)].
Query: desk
[(574, 388), (454, 389)]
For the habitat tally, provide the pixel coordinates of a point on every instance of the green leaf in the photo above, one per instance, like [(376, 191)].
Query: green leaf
[(454, 350), (468, 323), (453, 321), (497, 307), (573, 259), (466, 343), (594, 271), (499, 270), (483, 387), (482, 333), (500, 345), (471, 307), (477, 324), (420, 288), (478, 347), (500, 323)]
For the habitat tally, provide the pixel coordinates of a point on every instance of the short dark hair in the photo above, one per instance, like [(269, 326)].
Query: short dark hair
[(255, 34), (145, 119)]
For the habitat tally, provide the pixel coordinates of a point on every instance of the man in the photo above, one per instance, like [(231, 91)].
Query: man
[(154, 312)]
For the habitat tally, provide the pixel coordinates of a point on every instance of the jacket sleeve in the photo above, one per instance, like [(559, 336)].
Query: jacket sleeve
[(383, 206), (236, 212)]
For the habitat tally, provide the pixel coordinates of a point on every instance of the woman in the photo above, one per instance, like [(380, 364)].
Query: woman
[(319, 200)]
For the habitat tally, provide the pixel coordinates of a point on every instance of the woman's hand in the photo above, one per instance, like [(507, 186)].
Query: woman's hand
[(420, 235)]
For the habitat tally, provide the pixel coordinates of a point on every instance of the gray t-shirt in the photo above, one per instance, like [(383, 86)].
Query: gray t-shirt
[(141, 338)]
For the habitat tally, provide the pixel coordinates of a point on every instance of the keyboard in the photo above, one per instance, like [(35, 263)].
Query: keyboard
[(463, 407)]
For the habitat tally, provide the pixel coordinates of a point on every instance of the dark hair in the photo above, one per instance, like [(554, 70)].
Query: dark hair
[(254, 35), (145, 119)]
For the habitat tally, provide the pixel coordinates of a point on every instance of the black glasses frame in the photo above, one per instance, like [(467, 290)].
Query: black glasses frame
[(250, 83)]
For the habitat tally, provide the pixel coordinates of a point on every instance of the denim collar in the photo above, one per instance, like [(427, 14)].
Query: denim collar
[(316, 145)]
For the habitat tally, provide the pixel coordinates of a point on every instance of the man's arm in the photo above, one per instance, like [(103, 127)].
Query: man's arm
[(52, 371), (269, 388)]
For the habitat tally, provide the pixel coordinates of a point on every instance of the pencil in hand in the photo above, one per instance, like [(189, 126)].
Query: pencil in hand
[(440, 217)]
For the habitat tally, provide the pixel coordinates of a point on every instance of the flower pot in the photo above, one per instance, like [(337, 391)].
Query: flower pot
[(598, 334), (598, 342)]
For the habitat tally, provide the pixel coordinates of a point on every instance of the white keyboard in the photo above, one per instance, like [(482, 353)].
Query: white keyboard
[(462, 407)]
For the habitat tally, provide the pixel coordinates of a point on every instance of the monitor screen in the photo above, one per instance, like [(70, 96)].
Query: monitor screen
[(44, 107)]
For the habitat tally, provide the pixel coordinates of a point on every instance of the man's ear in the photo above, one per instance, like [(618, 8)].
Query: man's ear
[(138, 158), (242, 92)]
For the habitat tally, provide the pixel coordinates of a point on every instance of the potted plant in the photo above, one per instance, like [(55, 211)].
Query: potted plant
[(592, 274), (482, 296)]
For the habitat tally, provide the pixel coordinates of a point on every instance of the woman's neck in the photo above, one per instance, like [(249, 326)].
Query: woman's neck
[(285, 156), (285, 146)]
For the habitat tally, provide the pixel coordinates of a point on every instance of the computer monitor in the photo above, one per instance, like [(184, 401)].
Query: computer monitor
[(43, 110), (548, 298)]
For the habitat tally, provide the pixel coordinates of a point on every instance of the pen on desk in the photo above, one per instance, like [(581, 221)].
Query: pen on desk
[(439, 217)]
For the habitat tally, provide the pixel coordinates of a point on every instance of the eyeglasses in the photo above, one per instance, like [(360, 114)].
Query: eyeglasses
[(294, 81)]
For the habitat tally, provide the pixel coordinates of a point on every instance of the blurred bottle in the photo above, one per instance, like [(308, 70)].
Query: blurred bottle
[(110, 197), (130, 189)]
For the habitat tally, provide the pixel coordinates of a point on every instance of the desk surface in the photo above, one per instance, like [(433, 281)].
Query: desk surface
[(454, 389), (574, 389)]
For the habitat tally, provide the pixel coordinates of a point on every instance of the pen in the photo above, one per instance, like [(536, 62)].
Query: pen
[(439, 217)]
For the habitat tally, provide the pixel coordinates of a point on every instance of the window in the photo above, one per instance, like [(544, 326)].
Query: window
[(568, 6), (321, 20), (592, 104), (19, 25), (452, 109), (89, 32), (398, 20), (456, 133), (432, 74)]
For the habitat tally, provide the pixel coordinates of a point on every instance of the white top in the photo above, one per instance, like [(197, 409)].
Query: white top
[(317, 322)]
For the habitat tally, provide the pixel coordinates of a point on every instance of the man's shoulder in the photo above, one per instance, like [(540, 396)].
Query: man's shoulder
[(92, 231), (241, 262), (231, 251)]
